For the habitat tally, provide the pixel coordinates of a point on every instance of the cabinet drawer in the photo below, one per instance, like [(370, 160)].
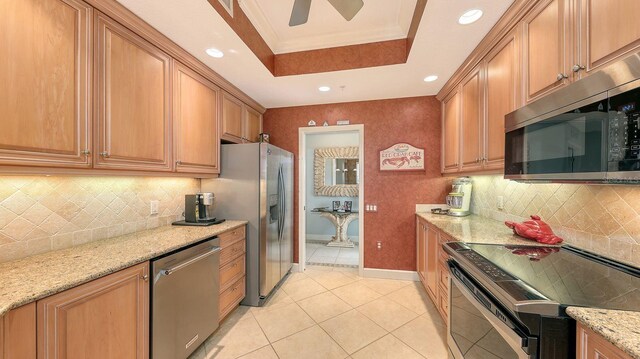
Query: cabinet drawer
[(231, 297), (227, 254), (227, 238), (231, 272), (443, 276), (443, 303)]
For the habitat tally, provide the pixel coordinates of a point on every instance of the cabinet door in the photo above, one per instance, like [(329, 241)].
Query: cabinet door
[(593, 346), (421, 250), (432, 263), (503, 96), (196, 140), (133, 90), (609, 30), (105, 318), (471, 121), (451, 133), (252, 125), (44, 77), (547, 43), (231, 118), (18, 333)]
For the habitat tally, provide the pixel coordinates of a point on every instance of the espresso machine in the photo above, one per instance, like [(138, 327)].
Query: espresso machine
[(459, 199), (198, 210)]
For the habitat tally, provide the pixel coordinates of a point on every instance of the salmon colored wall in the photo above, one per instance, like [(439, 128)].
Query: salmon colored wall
[(386, 122)]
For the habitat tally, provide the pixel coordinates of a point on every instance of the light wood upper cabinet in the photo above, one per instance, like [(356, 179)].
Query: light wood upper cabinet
[(252, 124), (196, 137), (503, 96), (451, 133), (133, 116), (105, 318), (547, 46), (18, 333), (45, 83), (231, 118), (472, 121), (609, 30)]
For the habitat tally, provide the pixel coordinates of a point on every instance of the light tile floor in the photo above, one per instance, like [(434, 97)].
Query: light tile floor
[(331, 312), (319, 253)]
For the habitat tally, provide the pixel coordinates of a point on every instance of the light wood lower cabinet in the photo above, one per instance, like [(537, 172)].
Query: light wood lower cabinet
[(432, 264), (593, 346), (133, 120), (105, 318), (45, 79), (195, 119), (232, 270), (18, 333)]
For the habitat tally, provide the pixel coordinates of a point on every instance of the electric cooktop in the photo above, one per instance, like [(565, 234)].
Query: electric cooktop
[(566, 275)]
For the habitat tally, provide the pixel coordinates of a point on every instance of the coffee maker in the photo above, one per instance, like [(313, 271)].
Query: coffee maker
[(459, 199), (198, 208)]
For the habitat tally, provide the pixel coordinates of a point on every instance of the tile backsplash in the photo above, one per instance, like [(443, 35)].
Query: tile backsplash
[(601, 218), (39, 214)]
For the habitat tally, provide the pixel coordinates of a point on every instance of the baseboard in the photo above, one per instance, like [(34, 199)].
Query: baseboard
[(295, 268), (390, 274)]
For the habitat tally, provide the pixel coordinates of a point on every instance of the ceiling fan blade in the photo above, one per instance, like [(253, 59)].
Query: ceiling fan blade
[(300, 12), (347, 8)]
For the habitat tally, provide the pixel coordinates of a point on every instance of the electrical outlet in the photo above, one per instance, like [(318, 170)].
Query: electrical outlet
[(500, 202), (379, 243), (154, 206)]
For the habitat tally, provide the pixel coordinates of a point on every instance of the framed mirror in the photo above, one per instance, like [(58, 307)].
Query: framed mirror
[(336, 171)]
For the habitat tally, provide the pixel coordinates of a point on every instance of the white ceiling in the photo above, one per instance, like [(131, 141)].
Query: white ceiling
[(439, 48), (378, 20)]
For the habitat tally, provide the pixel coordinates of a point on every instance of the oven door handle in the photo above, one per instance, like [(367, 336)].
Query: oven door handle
[(512, 338)]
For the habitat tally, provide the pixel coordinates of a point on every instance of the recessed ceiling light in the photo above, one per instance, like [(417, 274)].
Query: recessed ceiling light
[(430, 78), (470, 16), (214, 53), (324, 88)]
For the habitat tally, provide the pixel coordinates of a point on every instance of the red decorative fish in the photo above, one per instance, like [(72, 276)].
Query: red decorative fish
[(534, 229)]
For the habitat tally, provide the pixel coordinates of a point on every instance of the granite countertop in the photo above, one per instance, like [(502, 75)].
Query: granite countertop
[(621, 328), (29, 279), (476, 229)]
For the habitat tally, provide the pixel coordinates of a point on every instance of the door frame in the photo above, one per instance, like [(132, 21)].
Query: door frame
[(302, 181)]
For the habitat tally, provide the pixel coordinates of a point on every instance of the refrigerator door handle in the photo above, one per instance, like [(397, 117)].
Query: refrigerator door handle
[(280, 204)]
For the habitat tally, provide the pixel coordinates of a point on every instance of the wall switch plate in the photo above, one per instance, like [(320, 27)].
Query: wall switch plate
[(371, 208), (500, 203), (155, 204)]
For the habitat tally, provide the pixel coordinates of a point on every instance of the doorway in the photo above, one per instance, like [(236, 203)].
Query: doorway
[(331, 196)]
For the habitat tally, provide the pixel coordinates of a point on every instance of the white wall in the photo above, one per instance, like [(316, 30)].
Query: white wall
[(316, 226)]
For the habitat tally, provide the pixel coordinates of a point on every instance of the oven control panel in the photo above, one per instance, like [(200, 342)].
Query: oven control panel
[(491, 270)]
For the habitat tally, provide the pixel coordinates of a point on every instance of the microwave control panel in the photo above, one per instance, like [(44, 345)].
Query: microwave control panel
[(624, 138)]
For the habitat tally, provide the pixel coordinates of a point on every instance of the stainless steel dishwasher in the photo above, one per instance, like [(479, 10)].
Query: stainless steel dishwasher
[(184, 299)]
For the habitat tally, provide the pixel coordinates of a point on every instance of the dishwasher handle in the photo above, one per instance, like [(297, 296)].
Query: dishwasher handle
[(186, 263)]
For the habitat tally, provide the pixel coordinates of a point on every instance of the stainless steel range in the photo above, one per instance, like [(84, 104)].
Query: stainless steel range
[(510, 301)]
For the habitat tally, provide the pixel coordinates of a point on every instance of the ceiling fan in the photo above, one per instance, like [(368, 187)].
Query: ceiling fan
[(347, 8)]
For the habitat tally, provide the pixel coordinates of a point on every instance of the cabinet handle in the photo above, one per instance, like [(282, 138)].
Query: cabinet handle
[(145, 277), (561, 76), (577, 68), (178, 162), (85, 152), (104, 154)]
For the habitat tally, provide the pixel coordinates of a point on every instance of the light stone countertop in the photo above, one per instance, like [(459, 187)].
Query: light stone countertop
[(621, 328), (26, 280), (476, 229)]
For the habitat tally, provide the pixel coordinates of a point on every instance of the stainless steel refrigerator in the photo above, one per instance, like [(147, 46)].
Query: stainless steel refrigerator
[(256, 184)]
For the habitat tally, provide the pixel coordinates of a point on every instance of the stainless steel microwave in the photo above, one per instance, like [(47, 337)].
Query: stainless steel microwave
[(585, 132)]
